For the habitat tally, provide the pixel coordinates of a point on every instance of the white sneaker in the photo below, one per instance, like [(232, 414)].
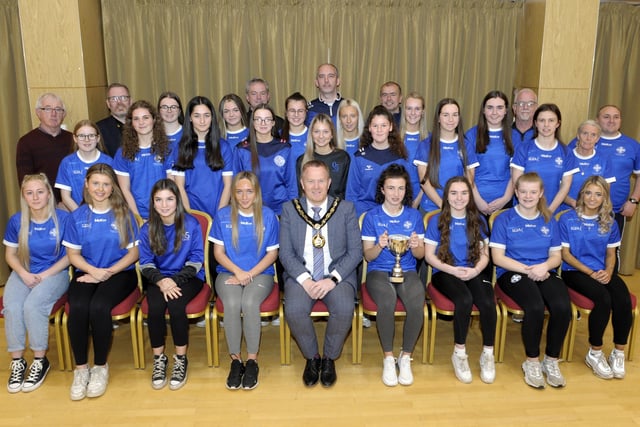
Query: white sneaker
[(405, 377), (487, 368), (551, 369), (79, 385), (98, 381), (202, 323), (616, 362), (115, 325), (366, 322), (599, 365), (389, 375), (461, 367), (275, 321), (533, 373)]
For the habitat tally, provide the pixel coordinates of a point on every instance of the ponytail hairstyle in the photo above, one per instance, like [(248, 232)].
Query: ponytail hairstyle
[(533, 177)]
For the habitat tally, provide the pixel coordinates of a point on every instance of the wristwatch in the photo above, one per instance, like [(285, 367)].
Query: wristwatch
[(634, 201), (334, 279)]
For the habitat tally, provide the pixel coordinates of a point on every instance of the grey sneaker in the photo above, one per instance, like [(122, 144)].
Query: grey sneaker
[(616, 362), (487, 368), (461, 367), (37, 373), (80, 382), (98, 381), (405, 376), (179, 374), (533, 373), (159, 374), (551, 369), (599, 365), (18, 368), (366, 322), (389, 374)]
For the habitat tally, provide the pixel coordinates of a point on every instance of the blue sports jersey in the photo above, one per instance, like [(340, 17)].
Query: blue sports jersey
[(247, 255), (624, 155), (174, 142), (72, 171), (202, 184), (351, 146), (493, 174), (377, 221), (143, 172), (235, 137), (298, 143), (528, 241), (519, 138), (277, 174), (45, 243), (411, 143), (450, 165), (317, 106), (552, 165), (191, 250), (596, 164), (458, 241), (586, 241), (95, 235), (364, 171)]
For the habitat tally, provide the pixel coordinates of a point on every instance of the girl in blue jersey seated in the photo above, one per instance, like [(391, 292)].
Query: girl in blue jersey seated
[(39, 278), (457, 247), (144, 158), (270, 158), (394, 216), (350, 126), (172, 115), (322, 146), (101, 241), (380, 146), (490, 140), (413, 130), (171, 261), (525, 247), (245, 236), (294, 130), (444, 154), (590, 237), (90, 150), (234, 127)]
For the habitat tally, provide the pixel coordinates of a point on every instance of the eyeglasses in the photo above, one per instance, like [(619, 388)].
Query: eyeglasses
[(49, 110), (87, 137), (119, 98), (169, 107), (526, 104), (264, 121)]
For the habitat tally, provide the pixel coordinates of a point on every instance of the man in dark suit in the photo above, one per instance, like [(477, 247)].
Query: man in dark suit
[(320, 250)]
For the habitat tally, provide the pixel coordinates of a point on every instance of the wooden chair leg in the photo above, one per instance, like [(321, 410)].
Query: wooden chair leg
[(282, 327), (570, 338), (67, 343), (354, 338), (140, 328), (360, 329), (207, 329)]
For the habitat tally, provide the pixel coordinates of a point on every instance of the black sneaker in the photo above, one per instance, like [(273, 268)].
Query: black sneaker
[(179, 374), (16, 379), (159, 375), (234, 380), (250, 378), (37, 373)]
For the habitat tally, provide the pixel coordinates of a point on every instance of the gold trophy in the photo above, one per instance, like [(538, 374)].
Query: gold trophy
[(398, 245)]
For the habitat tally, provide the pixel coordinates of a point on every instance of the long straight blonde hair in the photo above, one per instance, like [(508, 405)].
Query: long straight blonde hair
[(257, 208)]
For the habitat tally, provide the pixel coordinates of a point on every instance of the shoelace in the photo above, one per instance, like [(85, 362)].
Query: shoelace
[(460, 363), (159, 367), (17, 369), (34, 372), (178, 367), (534, 369), (618, 361), (553, 369)]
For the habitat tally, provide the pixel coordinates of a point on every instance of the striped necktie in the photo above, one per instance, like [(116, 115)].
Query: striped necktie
[(318, 253)]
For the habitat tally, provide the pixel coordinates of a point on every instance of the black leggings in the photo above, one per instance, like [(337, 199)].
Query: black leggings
[(90, 306), (177, 313), (610, 299), (532, 297), (464, 294)]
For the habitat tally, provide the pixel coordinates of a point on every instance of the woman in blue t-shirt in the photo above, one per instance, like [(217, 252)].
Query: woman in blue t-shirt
[(525, 247), (245, 237), (394, 216), (39, 278), (170, 110), (457, 249), (590, 238)]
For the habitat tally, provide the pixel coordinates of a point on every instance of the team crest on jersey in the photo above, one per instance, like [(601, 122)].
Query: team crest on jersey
[(545, 230), (279, 160), (558, 161), (597, 168), (407, 225), (157, 158), (53, 233), (114, 227), (335, 166), (186, 236), (620, 151)]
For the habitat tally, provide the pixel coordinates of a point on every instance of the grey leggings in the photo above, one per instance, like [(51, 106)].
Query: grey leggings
[(243, 301), (385, 295)]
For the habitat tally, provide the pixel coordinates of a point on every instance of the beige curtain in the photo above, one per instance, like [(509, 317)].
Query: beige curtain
[(14, 111), (616, 80), (458, 48)]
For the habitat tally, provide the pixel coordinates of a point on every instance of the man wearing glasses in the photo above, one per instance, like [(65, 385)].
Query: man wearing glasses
[(524, 105), (43, 148), (118, 102)]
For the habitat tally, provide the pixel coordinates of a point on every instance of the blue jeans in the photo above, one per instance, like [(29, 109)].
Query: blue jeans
[(26, 310)]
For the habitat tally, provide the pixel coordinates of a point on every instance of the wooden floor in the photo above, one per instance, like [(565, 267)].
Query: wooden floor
[(358, 399)]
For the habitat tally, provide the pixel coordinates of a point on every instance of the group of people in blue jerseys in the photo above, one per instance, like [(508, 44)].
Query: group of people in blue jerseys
[(507, 196)]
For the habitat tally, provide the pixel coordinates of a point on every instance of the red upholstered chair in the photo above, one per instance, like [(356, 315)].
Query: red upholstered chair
[(197, 307), (56, 316), (271, 306), (585, 305)]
